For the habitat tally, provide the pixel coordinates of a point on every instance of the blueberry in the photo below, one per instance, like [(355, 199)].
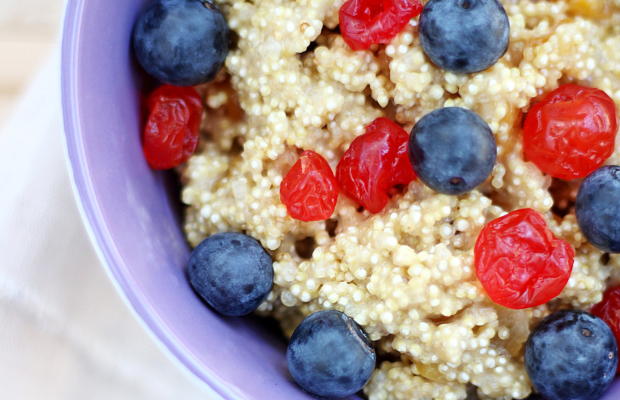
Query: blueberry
[(329, 355), (598, 209), (571, 355), (181, 42), (232, 272), (452, 150), (464, 36)]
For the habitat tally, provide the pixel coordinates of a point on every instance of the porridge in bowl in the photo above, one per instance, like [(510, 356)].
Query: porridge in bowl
[(400, 258)]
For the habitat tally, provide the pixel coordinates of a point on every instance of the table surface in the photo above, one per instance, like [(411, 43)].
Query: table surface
[(29, 31)]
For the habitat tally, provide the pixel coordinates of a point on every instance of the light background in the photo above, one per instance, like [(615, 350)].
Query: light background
[(65, 333), (29, 31)]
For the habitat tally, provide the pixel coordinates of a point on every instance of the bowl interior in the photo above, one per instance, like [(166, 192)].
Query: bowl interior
[(134, 215), (135, 219)]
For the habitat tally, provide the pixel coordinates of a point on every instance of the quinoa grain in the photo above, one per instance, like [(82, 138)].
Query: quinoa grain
[(406, 274)]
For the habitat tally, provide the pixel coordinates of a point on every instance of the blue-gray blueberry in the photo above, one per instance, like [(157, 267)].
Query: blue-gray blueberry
[(464, 36), (231, 272), (571, 355), (330, 356), (452, 150), (597, 208), (182, 42)]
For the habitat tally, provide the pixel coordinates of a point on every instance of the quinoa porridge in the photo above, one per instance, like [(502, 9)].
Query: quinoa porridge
[(406, 274)]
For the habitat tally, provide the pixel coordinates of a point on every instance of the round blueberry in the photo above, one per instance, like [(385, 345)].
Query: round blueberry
[(329, 355), (464, 36), (571, 354), (598, 208), (182, 42), (232, 272), (452, 150)]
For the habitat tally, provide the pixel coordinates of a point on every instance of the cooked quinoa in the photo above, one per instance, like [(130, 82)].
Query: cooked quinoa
[(406, 274)]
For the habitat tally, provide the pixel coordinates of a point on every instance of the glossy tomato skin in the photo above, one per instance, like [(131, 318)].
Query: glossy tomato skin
[(609, 310), (571, 131), (366, 22), (309, 190), (374, 163), (519, 262), (173, 127)]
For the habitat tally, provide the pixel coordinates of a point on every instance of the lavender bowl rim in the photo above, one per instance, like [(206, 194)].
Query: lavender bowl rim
[(93, 220)]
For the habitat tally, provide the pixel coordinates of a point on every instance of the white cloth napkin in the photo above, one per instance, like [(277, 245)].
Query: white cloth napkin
[(65, 333)]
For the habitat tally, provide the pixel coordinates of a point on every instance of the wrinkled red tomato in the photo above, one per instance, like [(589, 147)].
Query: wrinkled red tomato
[(571, 132), (519, 262), (374, 163), (366, 22), (173, 127), (609, 311), (309, 190)]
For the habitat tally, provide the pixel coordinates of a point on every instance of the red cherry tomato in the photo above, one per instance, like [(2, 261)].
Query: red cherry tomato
[(309, 190), (173, 127), (374, 163), (519, 262), (609, 311), (365, 22), (571, 132)]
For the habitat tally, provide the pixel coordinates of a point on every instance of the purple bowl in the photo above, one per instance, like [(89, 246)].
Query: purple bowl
[(133, 214)]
